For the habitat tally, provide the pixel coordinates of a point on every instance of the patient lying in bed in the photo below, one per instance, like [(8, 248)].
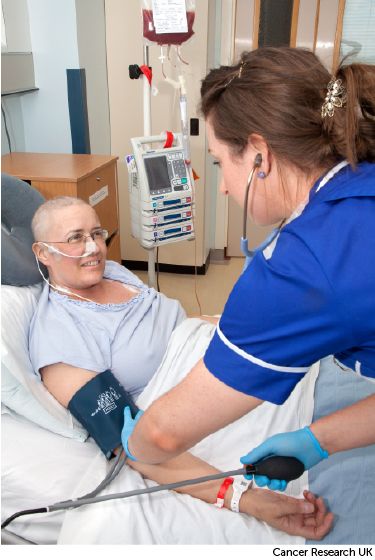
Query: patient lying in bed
[(95, 315)]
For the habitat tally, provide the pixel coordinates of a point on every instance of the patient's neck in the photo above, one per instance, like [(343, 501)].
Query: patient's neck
[(104, 292)]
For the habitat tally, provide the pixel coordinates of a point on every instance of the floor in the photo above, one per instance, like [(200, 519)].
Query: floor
[(212, 289)]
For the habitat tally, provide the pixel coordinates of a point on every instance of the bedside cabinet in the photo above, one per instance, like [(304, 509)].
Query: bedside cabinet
[(90, 177)]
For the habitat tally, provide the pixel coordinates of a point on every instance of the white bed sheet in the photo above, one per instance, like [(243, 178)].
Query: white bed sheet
[(40, 468), (172, 518)]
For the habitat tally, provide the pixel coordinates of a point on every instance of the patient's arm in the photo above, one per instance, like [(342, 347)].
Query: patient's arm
[(307, 518), (63, 381)]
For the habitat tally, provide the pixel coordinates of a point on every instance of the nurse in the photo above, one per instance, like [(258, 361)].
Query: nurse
[(307, 139)]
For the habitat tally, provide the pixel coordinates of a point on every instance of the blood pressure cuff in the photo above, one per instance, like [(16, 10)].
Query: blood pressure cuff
[(99, 407)]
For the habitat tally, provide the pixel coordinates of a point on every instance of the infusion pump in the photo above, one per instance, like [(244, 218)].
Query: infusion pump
[(160, 192)]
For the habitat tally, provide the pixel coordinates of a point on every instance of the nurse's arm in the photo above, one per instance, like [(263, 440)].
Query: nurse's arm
[(350, 427), (198, 406)]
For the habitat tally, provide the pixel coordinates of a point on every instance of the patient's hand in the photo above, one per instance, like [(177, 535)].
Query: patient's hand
[(288, 514)]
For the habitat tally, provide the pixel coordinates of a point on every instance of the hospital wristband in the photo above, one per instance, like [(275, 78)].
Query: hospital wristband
[(222, 491), (239, 487)]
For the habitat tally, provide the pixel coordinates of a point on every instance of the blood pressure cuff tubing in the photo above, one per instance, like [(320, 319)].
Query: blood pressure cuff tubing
[(99, 407)]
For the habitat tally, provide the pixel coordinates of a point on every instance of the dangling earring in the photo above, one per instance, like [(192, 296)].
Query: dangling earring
[(261, 174)]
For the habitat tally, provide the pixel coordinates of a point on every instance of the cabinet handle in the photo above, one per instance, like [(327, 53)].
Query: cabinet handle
[(98, 179)]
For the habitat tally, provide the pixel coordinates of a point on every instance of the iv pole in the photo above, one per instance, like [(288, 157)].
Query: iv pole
[(147, 132)]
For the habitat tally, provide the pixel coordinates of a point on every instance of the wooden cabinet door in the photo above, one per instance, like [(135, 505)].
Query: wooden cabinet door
[(100, 190)]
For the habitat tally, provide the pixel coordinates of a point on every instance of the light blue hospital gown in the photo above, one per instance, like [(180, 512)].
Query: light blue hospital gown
[(128, 338)]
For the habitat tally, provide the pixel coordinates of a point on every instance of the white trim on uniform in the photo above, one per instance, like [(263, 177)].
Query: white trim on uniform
[(331, 173), (257, 361), (268, 251)]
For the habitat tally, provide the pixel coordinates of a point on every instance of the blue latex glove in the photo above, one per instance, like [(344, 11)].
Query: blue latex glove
[(301, 444), (127, 430)]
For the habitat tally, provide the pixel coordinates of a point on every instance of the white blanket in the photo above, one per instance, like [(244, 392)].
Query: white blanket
[(172, 518)]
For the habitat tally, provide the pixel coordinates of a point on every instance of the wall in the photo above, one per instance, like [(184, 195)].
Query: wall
[(54, 44), (91, 35), (17, 25), (214, 207), (39, 121), (326, 31), (62, 34), (13, 113), (225, 54), (16, 19)]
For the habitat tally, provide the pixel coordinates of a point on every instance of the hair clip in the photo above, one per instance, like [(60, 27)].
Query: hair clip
[(242, 65), (237, 75), (336, 97)]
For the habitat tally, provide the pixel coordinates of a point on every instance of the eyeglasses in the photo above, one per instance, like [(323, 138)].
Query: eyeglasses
[(79, 239)]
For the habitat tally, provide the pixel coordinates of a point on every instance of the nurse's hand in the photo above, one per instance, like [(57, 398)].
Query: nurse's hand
[(127, 430), (301, 444)]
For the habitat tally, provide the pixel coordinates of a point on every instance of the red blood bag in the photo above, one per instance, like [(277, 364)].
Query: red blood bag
[(170, 37)]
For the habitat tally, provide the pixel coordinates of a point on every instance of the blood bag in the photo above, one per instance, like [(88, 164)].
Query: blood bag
[(168, 22)]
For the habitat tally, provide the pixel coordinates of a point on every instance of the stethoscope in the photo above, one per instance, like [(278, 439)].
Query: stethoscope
[(244, 241)]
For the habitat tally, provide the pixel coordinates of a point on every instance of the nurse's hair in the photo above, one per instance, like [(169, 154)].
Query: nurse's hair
[(278, 93), (42, 218)]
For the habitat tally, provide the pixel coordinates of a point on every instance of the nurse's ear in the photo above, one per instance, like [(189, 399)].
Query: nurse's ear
[(258, 145)]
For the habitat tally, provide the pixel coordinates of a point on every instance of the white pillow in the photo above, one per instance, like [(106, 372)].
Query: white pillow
[(21, 389)]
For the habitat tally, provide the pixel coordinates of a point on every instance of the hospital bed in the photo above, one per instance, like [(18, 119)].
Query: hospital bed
[(47, 455)]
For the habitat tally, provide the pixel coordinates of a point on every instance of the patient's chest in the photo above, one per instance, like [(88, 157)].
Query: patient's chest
[(129, 337), (120, 292), (141, 339)]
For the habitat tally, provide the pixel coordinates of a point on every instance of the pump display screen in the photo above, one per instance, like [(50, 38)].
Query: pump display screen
[(157, 173)]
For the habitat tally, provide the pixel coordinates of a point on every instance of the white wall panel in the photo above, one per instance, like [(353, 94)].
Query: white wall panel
[(306, 24), (54, 45), (16, 20), (93, 57), (325, 42), (244, 27)]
